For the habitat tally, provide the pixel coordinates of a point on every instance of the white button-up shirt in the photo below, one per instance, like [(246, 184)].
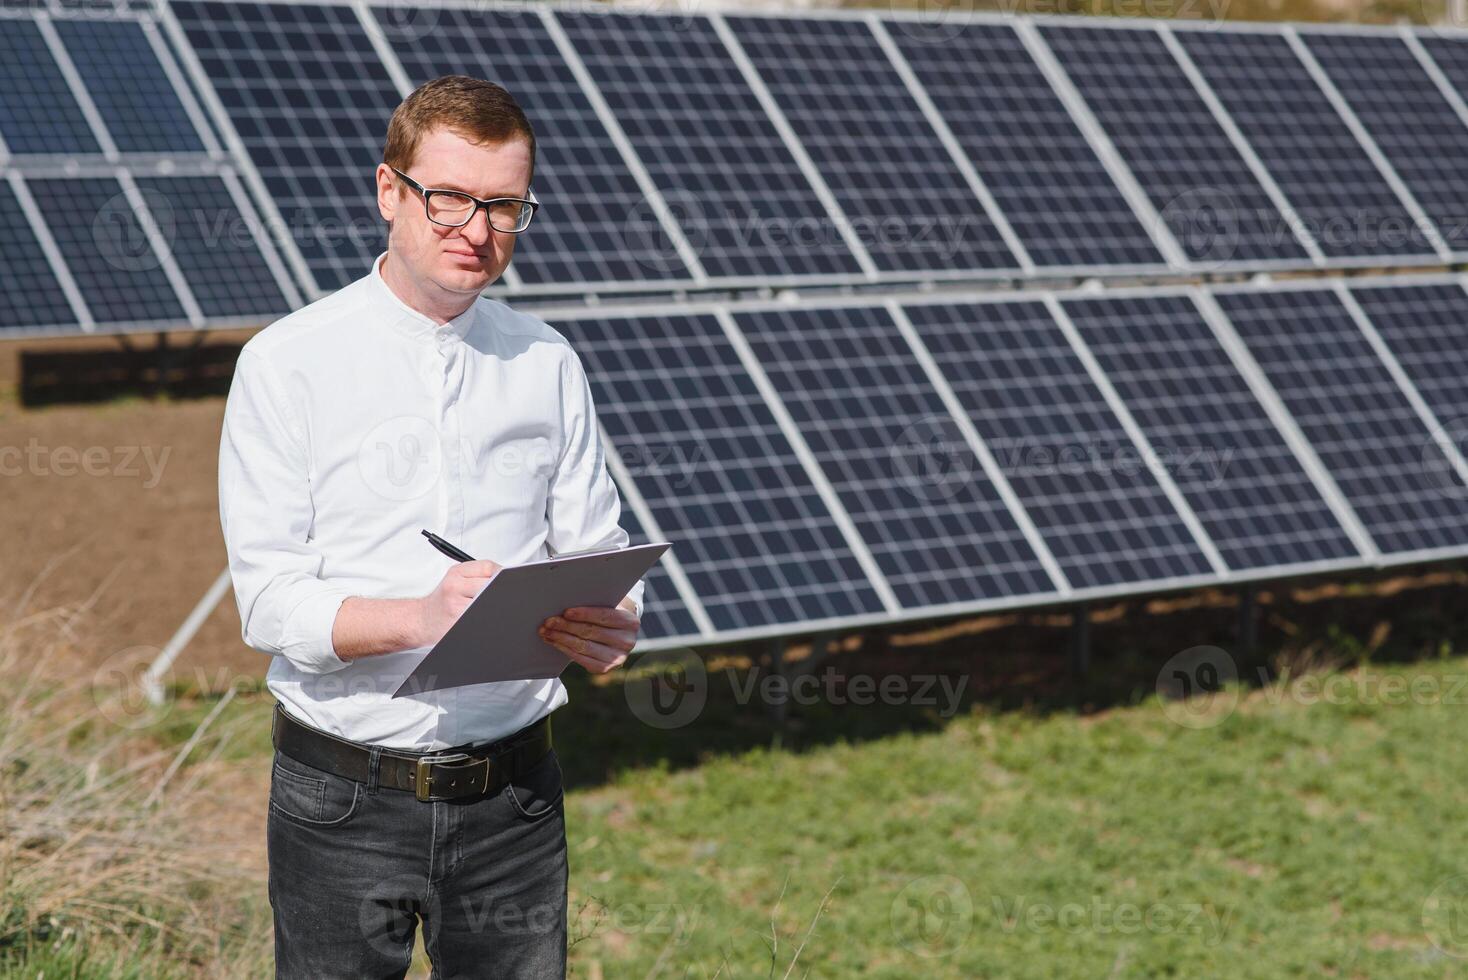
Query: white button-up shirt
[(356, 422)]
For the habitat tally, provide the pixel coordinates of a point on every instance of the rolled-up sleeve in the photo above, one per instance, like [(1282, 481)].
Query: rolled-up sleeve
[(583, 507), (286, 608)]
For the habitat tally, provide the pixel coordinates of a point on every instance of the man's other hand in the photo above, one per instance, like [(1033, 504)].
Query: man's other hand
[(442, 607), (596, 637)]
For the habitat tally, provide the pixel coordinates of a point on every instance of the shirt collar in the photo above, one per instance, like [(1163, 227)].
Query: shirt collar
[(415, 323)]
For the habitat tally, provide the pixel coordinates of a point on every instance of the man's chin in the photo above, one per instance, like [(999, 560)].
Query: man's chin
[(465, 280)]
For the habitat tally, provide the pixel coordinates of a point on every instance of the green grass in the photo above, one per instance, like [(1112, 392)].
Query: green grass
[(1296, 837), (1300, 827)]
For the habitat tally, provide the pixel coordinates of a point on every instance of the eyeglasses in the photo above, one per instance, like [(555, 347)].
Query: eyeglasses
[(455, 209)]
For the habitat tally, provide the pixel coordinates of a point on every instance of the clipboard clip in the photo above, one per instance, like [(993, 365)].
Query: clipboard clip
[(584, 551)]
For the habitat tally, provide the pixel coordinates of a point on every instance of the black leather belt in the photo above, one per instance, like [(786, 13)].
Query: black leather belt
[(444, 774)]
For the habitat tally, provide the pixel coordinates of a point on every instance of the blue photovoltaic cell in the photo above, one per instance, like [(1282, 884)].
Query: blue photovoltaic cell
[(136, 100), (595, 225), (102, 239), (1180, 155), (1074, 468), (214, 246), (193, 88), (735, 188), (1355, 417), (1332, 184), (751, 532), (38, 113), (890, 173), (1408, 117), (310, 100), (1058, 196), (31, 297), (1426, 328), (1220, 447), (663, 611), (914, 489)]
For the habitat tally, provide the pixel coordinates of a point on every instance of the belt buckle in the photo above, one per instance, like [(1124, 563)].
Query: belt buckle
[(422, 787)]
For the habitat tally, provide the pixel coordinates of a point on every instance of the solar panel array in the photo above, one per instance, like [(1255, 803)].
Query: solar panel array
[(913, 456), (122, 210), (901, 453), (687, 152)]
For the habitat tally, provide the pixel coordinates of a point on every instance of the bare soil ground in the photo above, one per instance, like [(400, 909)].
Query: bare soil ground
[(117, 502)]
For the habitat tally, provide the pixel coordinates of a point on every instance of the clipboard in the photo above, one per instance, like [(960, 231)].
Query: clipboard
[(496, 638)]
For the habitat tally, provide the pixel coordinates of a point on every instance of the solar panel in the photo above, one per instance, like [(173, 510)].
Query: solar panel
[(1426, 328), (38, 113), (740, 197), (1179, 153), (214, 246), (914, 489), (1450, 54), (664, 614), (753, 536), (1218, 444), (103, 242), (1106, 520), (1055, 192), (867, 135), (126, 82), (1355, 417), (1328, 178), (1407, 116), (590, 229), (310, 100), (32, 297), (174, 52)]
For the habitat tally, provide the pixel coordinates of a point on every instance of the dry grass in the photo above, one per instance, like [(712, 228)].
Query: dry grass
[(100, 857)]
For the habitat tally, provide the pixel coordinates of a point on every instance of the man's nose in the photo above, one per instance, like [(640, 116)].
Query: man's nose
[(477, 231)]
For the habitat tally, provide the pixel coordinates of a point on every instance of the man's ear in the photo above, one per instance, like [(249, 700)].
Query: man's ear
[(387, 193)]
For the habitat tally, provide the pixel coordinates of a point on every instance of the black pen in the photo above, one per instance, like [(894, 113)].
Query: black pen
[(446, 548)]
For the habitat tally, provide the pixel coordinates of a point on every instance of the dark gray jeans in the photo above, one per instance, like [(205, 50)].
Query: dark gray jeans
[(353, 867)]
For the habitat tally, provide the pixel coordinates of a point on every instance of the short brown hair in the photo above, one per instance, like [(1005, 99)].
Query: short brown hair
[(479, 111)]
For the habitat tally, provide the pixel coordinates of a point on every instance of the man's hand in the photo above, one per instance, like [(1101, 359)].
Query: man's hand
[(596, 637), (441, 608)]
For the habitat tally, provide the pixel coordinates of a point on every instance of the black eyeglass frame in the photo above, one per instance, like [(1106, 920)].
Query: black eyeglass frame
[(428, 192)]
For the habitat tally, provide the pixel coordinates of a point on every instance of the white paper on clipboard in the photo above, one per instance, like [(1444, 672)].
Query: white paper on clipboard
[(496, 638)]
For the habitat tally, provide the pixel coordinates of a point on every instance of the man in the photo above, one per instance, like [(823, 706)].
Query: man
[(406, 401)]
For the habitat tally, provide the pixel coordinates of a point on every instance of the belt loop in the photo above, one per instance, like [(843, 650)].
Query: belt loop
[(372, 760)]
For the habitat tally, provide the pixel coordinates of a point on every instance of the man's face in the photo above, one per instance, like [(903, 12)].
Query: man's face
[(453, 260)]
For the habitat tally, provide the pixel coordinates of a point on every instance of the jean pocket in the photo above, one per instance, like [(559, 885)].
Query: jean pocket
[(311, 796), (538, 792)]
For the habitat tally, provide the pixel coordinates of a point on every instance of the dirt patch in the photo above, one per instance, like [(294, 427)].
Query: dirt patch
[(117, 505)]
